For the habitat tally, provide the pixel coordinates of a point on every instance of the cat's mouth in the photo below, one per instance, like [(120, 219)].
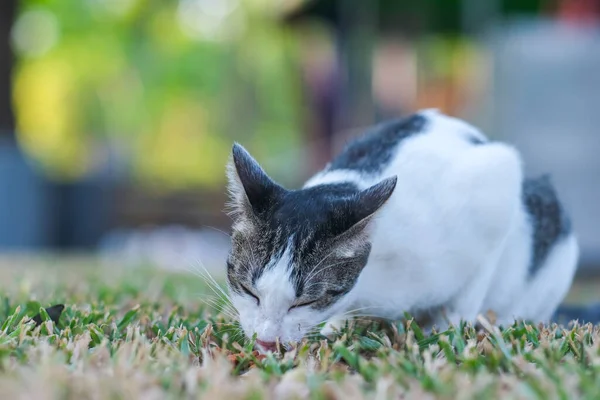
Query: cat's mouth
[(265, 346)]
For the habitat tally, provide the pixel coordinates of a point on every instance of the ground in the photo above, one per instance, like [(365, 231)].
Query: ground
[(144, 333)]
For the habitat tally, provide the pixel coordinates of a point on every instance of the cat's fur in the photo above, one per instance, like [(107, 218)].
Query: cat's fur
[(422, 214)]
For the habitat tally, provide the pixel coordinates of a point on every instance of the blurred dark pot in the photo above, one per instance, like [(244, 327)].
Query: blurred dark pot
[(85, 213), (25, 221), (36, 214)]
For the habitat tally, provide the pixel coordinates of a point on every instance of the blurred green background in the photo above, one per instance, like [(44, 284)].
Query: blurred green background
[(178, 80), (117, 116)]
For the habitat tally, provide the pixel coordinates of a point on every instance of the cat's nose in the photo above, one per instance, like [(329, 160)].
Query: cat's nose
[(267, 346)]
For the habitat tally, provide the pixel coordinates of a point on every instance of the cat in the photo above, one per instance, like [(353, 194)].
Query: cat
[(421, 214)]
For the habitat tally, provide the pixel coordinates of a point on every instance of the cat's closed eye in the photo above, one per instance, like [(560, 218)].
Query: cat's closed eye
[(305, 304), (250, 293), (335, 293)]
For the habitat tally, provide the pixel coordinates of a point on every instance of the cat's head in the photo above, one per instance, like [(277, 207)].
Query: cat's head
[(296, 254)]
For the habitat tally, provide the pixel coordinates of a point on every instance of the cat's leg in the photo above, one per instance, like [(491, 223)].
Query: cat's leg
[(439, 322), (550, 284), (427, 319), (468, 304), (505, 322), (489, 179)]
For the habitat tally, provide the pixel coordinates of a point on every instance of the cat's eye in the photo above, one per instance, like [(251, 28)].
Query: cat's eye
[(335, 293), (250, 293), (305, 304)]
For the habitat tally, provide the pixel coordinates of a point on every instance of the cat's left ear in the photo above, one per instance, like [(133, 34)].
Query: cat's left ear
[(250, 188), (365, 204), (369, 201)]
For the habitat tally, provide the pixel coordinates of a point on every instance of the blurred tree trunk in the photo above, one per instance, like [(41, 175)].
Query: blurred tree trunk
[(356, 36), (7, 123)]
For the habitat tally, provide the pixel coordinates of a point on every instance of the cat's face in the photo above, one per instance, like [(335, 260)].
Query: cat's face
[(296, 255)]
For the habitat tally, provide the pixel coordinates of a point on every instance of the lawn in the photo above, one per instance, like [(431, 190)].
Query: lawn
[(144, 333)]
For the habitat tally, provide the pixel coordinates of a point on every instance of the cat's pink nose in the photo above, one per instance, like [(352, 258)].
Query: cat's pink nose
[(267, 346)]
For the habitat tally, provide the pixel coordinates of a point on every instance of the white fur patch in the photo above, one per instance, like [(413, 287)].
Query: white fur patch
[(337, 176), (273, 318)]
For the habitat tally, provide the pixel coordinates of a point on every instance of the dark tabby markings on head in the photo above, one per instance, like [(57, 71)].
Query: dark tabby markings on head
[(305, 227), (314, 279), (307, 223), (549, 221), (309, 217), (375, 150)]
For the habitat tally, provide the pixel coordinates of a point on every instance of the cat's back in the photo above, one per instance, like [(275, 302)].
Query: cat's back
[(456, 190), (373, 151), (421, 143)]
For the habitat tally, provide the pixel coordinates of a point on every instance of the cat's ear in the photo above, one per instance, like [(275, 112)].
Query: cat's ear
[(367, 202), (250, 188), (364, 205)]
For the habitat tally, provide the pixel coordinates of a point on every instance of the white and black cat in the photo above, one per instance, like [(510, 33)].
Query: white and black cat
[(419, 214)]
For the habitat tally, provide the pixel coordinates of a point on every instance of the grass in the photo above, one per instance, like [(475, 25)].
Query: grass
[(140, 333)]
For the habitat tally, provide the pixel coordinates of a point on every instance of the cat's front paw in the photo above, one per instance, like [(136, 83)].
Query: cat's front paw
[(333, 327), (443, 321)]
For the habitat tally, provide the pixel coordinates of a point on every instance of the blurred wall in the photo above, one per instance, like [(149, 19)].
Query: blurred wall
[(544, 98)]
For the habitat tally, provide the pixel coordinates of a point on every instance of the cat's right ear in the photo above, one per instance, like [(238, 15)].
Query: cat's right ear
[(250, 188)]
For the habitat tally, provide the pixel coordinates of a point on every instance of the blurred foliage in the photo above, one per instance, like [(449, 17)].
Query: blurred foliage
[(167, 84)]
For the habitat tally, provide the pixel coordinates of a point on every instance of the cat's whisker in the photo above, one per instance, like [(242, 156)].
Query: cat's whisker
[(230, 330), (216, 285), (309, 279), (213, 283), (318, 264), (210, 285), (233, 333), (227, 309), (231, 312), (314, 272), (218, 302), (228, 315), (217, 230), (192, 262), (233, 316), (358, 309), (215, 302)]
